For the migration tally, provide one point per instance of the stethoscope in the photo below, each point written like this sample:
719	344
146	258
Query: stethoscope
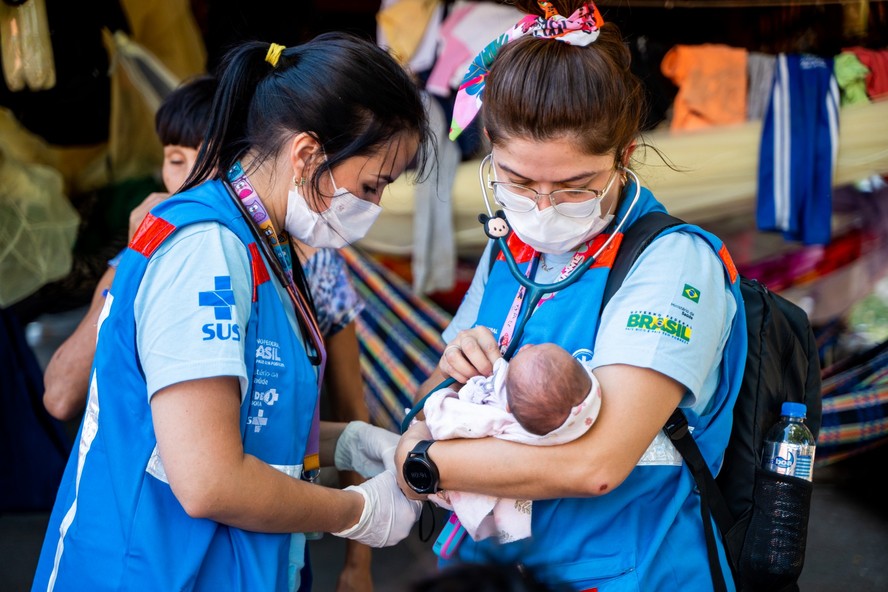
496	227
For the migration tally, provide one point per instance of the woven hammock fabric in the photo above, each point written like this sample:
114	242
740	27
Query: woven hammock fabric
399	335
855	406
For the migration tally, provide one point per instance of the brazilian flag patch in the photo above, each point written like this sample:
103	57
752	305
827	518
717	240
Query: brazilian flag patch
691	293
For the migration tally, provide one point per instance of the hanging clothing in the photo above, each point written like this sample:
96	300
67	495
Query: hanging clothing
712	85
797	159
433	264
851	76
469	28
761	78
877	62
409	30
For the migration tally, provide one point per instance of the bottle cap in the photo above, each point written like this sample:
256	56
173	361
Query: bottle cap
794	409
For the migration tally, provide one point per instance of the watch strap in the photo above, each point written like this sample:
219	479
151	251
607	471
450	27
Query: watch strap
422	448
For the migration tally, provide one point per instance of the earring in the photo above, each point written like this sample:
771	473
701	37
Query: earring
299	183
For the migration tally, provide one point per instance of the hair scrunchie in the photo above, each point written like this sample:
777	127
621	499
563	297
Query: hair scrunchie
580	28
274	54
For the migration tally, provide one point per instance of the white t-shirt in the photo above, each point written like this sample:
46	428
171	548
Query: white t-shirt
193	306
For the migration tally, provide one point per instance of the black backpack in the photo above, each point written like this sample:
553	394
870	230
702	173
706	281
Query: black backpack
762	516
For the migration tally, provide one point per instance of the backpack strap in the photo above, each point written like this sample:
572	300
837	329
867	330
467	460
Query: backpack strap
712	503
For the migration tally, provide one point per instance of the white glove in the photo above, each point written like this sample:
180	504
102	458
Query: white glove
388	516
367	449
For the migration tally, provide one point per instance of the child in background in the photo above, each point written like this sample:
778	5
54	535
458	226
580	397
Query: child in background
544	397
180	124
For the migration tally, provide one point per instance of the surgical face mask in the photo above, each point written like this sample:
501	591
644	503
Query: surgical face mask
346	220
547	231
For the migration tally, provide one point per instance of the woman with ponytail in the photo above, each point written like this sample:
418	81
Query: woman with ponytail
614	509
201	437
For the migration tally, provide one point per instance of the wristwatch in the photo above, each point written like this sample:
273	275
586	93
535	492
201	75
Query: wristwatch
420	472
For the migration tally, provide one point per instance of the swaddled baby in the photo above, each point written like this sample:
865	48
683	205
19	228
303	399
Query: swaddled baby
543	397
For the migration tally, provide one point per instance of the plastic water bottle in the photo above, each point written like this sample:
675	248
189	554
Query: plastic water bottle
790	445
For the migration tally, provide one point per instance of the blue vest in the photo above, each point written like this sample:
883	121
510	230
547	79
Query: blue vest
116	523
646	534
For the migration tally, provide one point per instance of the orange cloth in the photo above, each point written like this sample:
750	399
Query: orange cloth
712	85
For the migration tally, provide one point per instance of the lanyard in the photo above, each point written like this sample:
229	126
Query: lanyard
277	251
537	299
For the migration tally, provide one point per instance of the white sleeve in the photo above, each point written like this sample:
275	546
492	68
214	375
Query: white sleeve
672	314
192	308
467	313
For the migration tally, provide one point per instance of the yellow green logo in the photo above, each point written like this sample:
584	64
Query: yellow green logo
691	293
651	322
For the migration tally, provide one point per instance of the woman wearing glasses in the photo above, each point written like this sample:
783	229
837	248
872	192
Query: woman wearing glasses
613	510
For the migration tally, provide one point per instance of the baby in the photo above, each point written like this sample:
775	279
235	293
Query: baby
543	397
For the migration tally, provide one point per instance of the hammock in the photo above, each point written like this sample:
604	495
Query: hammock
399	335
855	406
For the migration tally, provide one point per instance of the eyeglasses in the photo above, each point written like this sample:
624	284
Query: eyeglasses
567	202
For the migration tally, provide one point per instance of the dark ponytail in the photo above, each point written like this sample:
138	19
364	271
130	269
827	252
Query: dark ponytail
347	92
241	71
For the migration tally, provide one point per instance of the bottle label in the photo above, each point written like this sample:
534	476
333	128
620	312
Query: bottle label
789	459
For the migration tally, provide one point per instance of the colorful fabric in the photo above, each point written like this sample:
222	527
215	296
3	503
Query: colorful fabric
855	406
877	62
799	145
399	335
712	81
851	75
580	28
336	302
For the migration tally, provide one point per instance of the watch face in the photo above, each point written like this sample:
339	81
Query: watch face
419	476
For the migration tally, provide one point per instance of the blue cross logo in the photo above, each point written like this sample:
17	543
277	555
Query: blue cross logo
221	299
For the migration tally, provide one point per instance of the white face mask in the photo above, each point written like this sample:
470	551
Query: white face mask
346	220
547	231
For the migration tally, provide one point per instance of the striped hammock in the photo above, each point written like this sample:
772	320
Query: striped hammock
855	406
399	335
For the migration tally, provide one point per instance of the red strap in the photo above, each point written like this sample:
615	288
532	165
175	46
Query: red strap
260	272
729	263
609	255
524	253
151	234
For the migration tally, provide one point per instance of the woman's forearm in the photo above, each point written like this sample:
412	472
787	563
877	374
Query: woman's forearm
330	432
520	471
66	378
594	464
197	424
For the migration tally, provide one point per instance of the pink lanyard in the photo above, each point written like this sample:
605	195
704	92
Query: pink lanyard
277	247
514	311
